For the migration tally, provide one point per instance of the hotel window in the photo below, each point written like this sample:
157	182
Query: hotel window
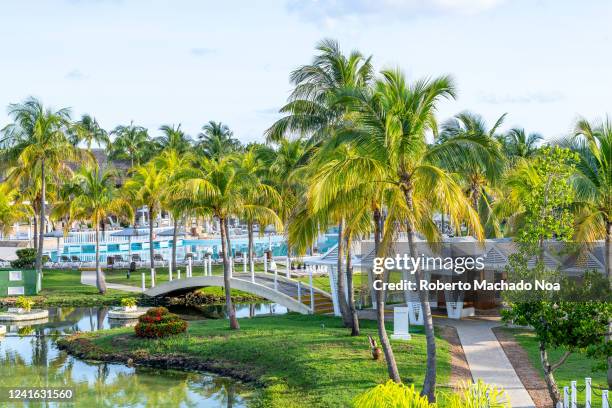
16	290
15	276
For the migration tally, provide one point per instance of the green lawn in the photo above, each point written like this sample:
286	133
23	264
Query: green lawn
576	367
304	361
61	287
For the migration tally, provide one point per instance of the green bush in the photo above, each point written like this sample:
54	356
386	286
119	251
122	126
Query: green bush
392	395
26	258
24	303
129	302
159	322
479	395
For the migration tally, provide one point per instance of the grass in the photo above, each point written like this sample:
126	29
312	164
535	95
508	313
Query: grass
304	361
63	288
576	368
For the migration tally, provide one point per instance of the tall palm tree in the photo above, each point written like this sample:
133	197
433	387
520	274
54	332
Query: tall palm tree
517	143
395	118
480	171
593	185
216	187
131	143
260	195
146	188
171	162
36	142
593	181
216	141
88	130
313	112
94	198
173	138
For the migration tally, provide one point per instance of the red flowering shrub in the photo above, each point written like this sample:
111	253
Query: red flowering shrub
159	322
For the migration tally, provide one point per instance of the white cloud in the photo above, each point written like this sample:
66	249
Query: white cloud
75	74
530	97
326	11
202	52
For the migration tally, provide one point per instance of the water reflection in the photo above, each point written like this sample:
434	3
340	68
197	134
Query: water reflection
29	358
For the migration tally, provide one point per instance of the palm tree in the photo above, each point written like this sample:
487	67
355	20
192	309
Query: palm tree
481	170
217	141
394	119
11	211
88	130
216	187
131	143
173	138
593	181
94	198
517	143
171	162
313	111
260	195
146	188
593	143
36	143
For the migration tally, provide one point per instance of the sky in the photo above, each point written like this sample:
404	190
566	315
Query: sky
544	62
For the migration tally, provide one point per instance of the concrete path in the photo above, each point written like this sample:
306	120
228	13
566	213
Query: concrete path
89	278
487	359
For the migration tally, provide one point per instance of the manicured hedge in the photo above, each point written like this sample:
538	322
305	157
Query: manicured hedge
159	322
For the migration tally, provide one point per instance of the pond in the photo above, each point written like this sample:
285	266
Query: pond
30	358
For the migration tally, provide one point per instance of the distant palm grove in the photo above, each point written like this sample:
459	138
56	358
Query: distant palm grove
355	149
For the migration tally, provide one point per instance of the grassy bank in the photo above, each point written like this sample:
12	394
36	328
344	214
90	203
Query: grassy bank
577	367
299	361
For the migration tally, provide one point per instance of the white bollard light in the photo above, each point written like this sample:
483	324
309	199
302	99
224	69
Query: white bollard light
178	274
574	400
152	277
566	397
244	263
312	301
288	266
189	270
170	271
265	263
144	287
604	399
299	289
587	393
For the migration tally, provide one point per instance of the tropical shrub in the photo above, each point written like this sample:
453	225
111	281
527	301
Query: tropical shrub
26	257
129	302
479	395
159	322
24	303
392	395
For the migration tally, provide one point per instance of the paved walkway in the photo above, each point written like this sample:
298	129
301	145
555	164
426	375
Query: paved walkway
89	278
487	359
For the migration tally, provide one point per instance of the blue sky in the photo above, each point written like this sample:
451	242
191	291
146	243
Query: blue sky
156	62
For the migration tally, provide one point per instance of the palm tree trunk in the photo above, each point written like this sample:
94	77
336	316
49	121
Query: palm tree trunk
250	233
608	254
174	238
341	281
351	292
226	277
151	252
380	307
41	232
429	383
551	384
100	281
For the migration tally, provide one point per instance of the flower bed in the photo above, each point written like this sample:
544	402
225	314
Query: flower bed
159	322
